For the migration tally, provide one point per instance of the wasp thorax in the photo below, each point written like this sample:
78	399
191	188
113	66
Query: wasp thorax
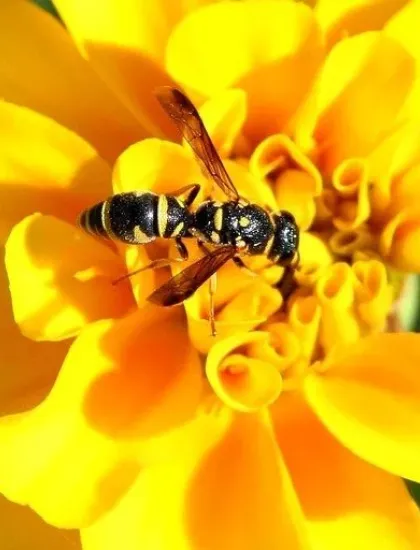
286	238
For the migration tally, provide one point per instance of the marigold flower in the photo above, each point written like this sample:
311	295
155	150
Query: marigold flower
293	427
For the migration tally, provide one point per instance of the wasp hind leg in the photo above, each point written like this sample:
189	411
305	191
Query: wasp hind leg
212	292
159	263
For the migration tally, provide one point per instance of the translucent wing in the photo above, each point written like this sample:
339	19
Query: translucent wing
183	285
187	119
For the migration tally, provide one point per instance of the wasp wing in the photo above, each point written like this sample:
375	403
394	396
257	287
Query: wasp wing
185	116
183	285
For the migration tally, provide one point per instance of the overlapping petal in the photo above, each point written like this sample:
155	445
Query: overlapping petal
45	168
276	74
61	279
48	75
124	42
347	17
119	385
257	507
343	114
368	397
347	502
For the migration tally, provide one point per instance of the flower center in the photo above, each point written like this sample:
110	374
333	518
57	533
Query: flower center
342	288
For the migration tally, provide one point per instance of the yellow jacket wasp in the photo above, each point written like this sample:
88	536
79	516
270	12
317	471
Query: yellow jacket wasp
234	228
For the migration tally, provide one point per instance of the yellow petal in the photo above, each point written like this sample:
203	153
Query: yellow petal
45	168
274	50
374	294
347	502
150	165
400	240
236	496
297	180
335	292
61	278
304	319
253	304
404	29
124	384
343	113
22	529
244	383
347	17
369	398
124	41
224	116
48	75
315	258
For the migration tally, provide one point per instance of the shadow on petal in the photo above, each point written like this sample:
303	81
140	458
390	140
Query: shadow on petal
149	377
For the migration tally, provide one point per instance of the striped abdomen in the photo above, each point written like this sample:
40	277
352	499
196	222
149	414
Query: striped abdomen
137	217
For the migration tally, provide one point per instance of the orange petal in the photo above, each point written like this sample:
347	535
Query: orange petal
237	496
22	529
369	398
400	240
124	384
49	76
45	168
124	41
342	19
60	278
347	502
274	50
244	383
343	113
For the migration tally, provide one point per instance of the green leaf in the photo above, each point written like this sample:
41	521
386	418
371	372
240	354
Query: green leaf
46	5
414	489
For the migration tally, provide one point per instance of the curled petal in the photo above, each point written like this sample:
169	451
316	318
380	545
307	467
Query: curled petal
297	182
335	292
347	243
351	180
314	259
72	178
304	319
370	504
400	240
118	396
275	73
203	498
374	294
368	396
54	80
60	279
357	71
250	307
342	19
243	383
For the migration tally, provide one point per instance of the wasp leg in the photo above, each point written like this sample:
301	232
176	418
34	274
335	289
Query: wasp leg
287	283
182	249
192	191
212	291
156	264
238	262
